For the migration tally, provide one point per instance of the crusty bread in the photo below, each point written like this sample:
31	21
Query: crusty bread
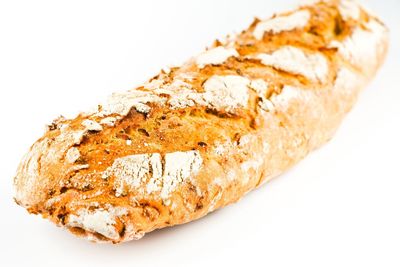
200	136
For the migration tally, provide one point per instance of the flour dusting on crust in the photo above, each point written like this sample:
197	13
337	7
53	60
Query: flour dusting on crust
222	93
72	155
262	89
92	126
226	92
130	171
278	24
99	221
121	103
288	93
26	185
346	81
109	121
349	9
294	60
364	46
134	171
215	56
178	167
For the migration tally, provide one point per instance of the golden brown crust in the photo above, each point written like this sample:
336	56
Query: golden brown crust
200	136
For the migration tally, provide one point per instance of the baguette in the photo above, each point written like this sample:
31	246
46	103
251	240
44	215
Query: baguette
198	137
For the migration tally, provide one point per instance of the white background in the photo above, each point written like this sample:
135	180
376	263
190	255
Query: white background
338	207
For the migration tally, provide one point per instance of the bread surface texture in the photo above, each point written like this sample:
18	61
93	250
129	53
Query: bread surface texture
198	137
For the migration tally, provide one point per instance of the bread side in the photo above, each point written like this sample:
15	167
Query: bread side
200	136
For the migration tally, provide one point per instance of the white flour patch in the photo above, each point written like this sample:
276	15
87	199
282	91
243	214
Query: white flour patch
294	60
79	167
226	92
363	47
215	56
224	148
262	89
147	171
279	24
346	81
214	201
178	167
109	121
251	164
98	221
266	147
121	103
231	175
92	125
130	171
283	99
72	155
245	140
349	9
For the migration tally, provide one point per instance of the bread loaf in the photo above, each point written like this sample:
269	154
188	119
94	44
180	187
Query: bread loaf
200	136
